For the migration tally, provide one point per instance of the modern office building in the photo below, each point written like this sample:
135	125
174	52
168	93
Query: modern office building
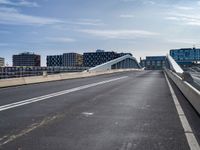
55	60
142	62
26	59
2	62
185	56
153	62
93	59
66	59
72	59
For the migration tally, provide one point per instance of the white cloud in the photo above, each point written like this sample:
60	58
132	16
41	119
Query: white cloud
119	34
4	44
128	0
8	10
172	18
126	16
183	41
149	2
60	39
183	7
142	1
91	22
19	3
13	17
185	15
192	19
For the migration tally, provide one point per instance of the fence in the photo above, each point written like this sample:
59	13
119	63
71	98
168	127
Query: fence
16	72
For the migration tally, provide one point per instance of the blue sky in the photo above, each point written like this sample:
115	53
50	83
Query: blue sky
142	27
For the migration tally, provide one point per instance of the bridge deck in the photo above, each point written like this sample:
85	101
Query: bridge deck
133	112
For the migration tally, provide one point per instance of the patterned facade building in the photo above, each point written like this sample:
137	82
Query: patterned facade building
26	59
153	62
55	60
185	56
72	59
67	60
93	59
2	62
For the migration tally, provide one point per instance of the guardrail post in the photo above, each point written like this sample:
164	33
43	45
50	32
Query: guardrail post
44	73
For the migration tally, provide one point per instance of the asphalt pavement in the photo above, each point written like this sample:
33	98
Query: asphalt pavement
122	111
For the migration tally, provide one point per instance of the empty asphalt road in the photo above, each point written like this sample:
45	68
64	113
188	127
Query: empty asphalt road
121	111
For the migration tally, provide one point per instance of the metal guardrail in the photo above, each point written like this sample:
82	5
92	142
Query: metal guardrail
192	78
187	82
196	80
189	91
173	65
17	72
57	77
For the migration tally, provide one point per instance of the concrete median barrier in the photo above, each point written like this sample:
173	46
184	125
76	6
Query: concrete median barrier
191	93
63	76
11	82
40	79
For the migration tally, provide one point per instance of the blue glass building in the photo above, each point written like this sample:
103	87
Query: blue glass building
153	62
185	56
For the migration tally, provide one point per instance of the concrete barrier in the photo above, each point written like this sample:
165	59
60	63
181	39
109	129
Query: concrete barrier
56	77
11	82
191	93
40	79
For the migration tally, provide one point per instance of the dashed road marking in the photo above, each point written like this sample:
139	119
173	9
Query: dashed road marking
87	114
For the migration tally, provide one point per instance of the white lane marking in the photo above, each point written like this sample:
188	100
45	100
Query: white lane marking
87	114
191	139
36	99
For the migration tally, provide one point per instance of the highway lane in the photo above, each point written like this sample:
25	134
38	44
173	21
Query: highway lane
136	112
15	94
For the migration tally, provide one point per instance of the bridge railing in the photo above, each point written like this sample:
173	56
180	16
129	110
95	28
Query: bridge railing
18	72
185	82
193	79
172	65
108	65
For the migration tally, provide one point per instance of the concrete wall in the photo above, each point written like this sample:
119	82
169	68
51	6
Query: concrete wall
63	76
191	93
